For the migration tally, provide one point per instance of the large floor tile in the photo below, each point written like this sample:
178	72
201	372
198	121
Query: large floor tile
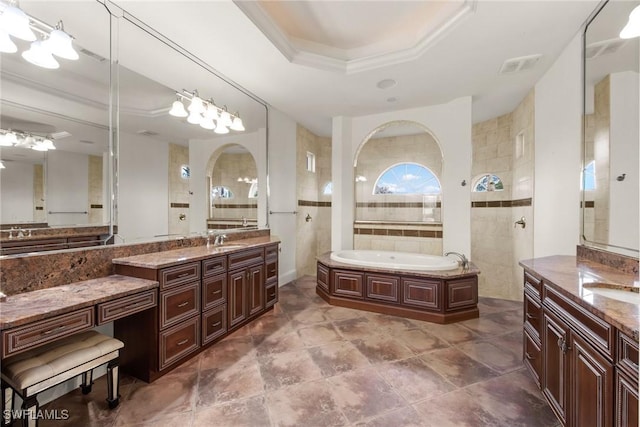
455	409
413	379
457	367
219	385
452	333
322	333
337	358
497	358
250	412
380	349
285	369
420	341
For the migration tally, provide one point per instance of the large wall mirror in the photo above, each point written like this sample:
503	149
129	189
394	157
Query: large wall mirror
128	78
611	131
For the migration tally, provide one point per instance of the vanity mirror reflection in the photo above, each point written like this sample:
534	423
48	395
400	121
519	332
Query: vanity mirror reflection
611	131
156	175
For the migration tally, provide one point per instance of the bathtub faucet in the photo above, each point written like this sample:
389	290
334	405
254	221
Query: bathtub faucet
465	261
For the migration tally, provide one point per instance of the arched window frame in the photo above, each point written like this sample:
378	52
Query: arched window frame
430	175
482	184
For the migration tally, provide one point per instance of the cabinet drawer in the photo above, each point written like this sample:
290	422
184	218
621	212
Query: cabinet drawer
596	331
179	341
214	266
532	357
322	277
245	258
271	251
214	291
214	324
421	293
348	283
113	310
533	284
174	276
383	288
272	268
532	317
461	294
628	355
33	335
271	296
179	304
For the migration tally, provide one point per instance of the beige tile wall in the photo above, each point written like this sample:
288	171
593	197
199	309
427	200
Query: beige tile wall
602	107
95	190
178	189
39	215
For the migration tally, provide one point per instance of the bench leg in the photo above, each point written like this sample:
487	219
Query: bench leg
87	382
30	409
113	383
7	404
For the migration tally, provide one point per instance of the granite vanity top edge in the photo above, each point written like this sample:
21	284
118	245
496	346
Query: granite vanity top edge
438	274
163	259
28	307
564	273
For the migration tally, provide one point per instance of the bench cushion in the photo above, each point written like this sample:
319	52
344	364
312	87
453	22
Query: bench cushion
33	366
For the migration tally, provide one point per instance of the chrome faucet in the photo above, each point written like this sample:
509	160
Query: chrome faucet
463	259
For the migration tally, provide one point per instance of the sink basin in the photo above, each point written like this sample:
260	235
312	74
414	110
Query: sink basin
230	247
621	293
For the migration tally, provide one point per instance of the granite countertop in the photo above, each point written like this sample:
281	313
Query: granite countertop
438	274
45	303
158	260
570	275
53	233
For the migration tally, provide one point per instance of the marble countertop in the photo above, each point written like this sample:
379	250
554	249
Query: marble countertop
158	260
45	303
572	277
438	274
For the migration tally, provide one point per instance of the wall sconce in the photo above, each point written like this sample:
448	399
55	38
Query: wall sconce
205	113
14	22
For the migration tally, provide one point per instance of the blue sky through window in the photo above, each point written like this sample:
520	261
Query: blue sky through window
590	176
407	178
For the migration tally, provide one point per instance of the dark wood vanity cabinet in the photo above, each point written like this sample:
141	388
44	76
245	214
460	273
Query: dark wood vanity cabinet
570	353
199	303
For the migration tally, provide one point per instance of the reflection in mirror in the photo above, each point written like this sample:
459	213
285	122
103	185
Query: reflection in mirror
64	110
397	189
233	188
163	158
611	133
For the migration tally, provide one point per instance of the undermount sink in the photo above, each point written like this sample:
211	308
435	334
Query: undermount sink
229	247
621	293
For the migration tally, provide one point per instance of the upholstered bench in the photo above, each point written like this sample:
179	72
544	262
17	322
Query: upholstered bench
33	371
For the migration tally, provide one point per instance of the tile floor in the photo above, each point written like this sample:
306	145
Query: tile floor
310	364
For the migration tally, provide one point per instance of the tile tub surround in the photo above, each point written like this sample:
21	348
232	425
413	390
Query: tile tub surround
45	303
468	374
25	273
566	274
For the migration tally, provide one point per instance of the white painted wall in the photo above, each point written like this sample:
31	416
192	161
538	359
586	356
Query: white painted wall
143	188
558	136
200	152
450	124
67	187
624	158
16	186
282	189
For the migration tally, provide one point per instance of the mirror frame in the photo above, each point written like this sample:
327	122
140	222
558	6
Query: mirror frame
583	239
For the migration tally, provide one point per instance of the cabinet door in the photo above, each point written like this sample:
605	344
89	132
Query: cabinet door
422	293
382	287
555	372
256	289
626	401
348	283
237	297
591	385
532	357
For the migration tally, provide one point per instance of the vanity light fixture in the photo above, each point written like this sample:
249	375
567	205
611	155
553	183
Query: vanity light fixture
15	138
2	166
16	23
205	113
632	29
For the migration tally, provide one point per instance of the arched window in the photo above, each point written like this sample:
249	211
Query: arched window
328	189
590	176
488	182
221	192
407	178
253	190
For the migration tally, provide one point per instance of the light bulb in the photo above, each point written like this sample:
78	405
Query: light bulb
632	29
194	118
211	112
39	55
6	44
59	44
16	23
9	139
237	124
177	109
48	144
225	117
196	105
207	124
39	146
221	129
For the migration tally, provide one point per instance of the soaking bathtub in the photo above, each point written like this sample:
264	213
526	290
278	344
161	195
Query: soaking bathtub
424	287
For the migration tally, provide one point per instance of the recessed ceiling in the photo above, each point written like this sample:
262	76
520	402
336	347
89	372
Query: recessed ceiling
350	36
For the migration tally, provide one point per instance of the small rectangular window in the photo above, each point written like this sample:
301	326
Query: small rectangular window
311	162
520	145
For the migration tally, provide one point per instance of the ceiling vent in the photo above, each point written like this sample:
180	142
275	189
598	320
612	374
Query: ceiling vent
604	47
60	135
147	132
522	63
92	54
